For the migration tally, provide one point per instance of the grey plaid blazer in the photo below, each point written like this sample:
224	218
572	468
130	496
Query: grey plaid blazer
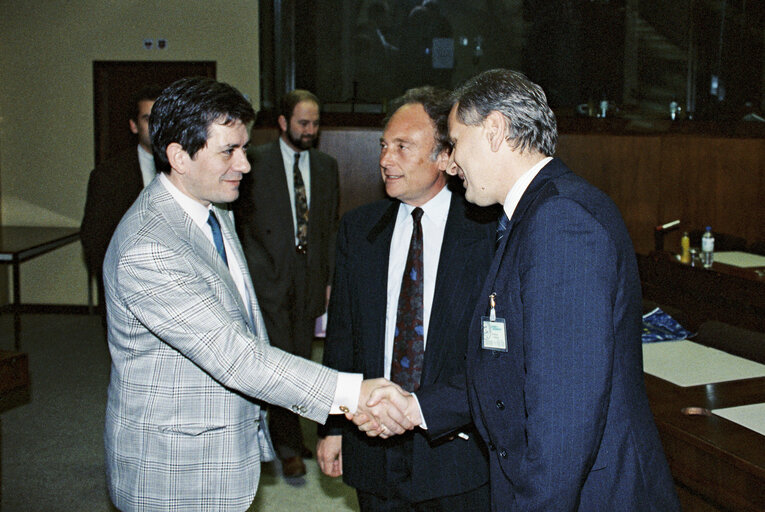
183	431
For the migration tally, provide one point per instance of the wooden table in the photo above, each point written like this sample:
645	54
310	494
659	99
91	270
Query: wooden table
22	243
716	463
726	293
14	385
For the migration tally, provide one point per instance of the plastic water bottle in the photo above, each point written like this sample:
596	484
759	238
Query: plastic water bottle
707	248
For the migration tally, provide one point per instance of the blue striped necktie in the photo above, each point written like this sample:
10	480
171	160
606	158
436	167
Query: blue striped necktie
212	220
504	224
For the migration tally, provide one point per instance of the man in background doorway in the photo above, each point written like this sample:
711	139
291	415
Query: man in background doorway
115	183
286	218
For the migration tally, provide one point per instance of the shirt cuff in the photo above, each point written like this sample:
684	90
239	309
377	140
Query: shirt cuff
347	393
423	425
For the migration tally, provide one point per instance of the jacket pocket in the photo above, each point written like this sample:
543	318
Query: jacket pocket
190	430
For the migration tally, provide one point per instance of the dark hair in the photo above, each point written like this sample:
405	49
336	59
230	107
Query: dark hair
146	93
291	99
436	103
185	110
530	121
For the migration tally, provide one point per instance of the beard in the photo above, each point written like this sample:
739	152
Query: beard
301	142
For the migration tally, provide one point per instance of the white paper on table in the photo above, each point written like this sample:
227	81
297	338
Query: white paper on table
751	416
740	259
685	363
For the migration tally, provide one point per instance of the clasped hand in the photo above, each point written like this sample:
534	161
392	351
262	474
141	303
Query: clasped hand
385	409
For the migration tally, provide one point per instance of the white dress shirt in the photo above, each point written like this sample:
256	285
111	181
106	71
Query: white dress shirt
146	162
433	223
304	164
519	188
199	215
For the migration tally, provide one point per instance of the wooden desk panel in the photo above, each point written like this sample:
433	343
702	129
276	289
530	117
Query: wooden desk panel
14	380
729	294
717	464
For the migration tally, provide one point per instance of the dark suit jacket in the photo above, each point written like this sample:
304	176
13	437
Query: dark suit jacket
564	411
112	188
265	226
356	342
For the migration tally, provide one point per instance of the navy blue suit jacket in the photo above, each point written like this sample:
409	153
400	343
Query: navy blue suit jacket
564	410
356	342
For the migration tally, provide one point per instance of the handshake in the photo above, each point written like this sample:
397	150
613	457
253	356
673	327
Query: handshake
385	409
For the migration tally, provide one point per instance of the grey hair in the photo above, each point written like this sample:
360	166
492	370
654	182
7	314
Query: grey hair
435	102
530	121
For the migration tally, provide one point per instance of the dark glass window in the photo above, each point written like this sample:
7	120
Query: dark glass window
628	58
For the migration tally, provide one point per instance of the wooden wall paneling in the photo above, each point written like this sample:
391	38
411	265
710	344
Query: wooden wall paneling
357	151
653	179
260	136
739	193
625	168
673	174
716	182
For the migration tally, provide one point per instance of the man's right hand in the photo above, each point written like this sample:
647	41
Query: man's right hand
330	455
385	415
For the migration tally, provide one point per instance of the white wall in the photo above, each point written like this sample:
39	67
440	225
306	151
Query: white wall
47	49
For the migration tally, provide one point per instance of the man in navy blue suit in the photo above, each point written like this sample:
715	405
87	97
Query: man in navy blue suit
554	363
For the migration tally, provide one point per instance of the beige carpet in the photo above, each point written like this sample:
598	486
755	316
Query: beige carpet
52	448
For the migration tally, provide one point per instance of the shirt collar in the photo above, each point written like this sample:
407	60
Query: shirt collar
517	190
198	212
436	209
288	153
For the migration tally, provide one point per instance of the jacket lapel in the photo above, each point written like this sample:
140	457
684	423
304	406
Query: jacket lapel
455	254
275	182
553	169
376	272
191	239
255	322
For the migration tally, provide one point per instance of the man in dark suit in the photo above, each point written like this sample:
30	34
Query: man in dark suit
115	183
409	472
554	365
287	221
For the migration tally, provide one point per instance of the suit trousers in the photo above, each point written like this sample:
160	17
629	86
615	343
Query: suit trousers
290	328
402	498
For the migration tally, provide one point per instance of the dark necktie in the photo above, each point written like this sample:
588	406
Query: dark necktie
409	339
212	220
301	205
504	223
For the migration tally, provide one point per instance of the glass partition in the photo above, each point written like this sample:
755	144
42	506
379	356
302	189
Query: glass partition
634	59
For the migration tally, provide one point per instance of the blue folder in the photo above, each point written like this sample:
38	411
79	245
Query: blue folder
659	326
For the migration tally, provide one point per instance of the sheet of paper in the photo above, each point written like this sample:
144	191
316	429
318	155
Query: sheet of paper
685	363
740	259
750	416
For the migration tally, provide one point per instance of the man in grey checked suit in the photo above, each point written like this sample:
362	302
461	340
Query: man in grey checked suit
189	349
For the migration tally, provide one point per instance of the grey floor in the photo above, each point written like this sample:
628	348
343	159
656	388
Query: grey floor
52	448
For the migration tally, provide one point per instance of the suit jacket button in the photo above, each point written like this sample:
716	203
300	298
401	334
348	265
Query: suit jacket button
503	454
492	446
500	405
